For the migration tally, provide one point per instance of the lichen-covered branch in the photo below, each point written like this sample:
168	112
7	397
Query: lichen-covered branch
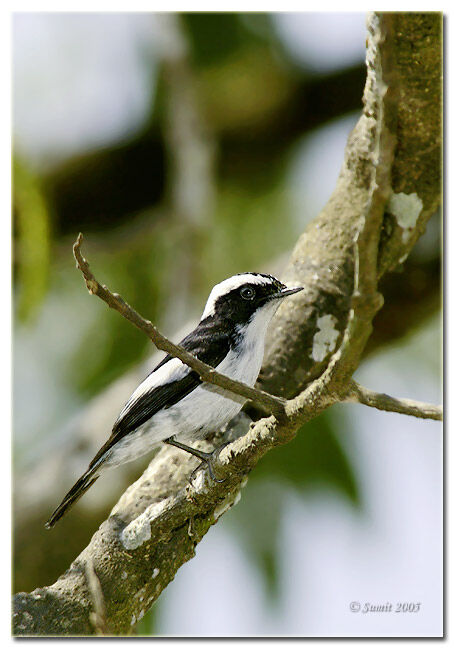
322	258
360	394
315	347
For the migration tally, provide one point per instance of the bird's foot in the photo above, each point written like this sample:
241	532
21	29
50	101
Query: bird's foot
208	461
206	458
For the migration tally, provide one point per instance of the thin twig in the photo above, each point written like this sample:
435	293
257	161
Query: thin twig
360	394
272	404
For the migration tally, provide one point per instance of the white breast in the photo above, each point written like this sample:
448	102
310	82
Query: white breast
208	407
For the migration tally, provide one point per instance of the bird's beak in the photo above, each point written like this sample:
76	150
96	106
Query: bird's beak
287	292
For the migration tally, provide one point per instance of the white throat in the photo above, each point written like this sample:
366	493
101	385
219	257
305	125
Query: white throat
251	346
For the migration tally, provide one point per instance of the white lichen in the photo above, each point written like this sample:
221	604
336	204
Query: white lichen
201	482
139	530
325	339
406	208
133	620
140	594
155	572
227	502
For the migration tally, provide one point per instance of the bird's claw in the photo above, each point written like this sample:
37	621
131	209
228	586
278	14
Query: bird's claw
202	464
208	461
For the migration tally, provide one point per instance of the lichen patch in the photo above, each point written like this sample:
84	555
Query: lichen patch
324	341
139	530
228	502
406	208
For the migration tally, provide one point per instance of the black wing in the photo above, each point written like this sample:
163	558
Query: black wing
136	412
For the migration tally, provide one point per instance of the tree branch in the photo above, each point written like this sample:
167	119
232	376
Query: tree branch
322	258
271	404
360	394
157	523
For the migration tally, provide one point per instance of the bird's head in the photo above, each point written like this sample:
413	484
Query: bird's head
247	297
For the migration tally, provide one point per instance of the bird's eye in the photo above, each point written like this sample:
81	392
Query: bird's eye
247	292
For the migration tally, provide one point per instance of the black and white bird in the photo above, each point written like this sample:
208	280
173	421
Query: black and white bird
172	404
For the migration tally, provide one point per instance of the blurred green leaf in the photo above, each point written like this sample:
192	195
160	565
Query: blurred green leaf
32	241
242	94
214	36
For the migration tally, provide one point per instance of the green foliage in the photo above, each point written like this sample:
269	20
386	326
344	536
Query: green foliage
215	36
32	252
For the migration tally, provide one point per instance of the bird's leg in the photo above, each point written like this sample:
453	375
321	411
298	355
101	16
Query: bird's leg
205	457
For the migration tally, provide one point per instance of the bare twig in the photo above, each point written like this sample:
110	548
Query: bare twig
271	404
360	394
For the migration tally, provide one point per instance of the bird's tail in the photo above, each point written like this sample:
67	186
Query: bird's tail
79	488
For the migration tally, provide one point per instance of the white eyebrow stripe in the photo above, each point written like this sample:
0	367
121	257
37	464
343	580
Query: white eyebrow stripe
230	284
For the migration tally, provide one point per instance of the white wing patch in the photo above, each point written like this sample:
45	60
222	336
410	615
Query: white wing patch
169	372
230	284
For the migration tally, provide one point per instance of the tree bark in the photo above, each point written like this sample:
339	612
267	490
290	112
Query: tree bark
388	188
